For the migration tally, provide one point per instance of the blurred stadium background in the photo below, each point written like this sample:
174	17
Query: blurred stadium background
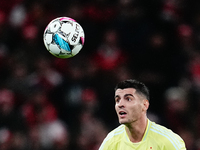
48	103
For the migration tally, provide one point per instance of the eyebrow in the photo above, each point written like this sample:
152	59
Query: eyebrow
124	95
128	95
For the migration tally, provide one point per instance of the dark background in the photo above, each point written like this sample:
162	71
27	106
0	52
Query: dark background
47	103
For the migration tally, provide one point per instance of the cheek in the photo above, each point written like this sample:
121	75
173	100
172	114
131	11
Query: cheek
136	109
116	107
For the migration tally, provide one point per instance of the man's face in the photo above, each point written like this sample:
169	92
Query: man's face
129	105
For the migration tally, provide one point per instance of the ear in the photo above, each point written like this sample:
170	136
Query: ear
145	104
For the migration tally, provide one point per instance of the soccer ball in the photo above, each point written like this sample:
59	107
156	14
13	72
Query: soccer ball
64	37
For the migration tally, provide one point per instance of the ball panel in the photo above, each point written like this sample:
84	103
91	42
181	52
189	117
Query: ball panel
54	26
47	47
82	40
53	48
66	19
48	38
76	49
67	28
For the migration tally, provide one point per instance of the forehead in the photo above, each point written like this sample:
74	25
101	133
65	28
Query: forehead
121	92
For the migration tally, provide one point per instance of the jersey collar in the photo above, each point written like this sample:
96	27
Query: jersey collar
145	134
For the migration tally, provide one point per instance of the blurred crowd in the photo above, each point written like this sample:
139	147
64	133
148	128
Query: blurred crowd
47	103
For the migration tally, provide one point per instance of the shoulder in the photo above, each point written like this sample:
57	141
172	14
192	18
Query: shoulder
113	137
117	132
166	136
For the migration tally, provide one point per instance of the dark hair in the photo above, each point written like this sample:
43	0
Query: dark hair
139	86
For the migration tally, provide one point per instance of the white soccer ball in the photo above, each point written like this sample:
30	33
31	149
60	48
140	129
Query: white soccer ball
64	37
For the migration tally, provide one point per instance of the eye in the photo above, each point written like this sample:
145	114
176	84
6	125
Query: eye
117	100
129	99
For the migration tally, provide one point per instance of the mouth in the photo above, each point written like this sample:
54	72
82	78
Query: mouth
122	113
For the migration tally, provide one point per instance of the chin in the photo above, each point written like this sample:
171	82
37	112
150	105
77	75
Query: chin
123	122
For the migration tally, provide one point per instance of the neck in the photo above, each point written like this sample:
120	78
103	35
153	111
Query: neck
136	130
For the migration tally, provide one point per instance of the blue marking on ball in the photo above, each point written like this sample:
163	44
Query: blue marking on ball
62	43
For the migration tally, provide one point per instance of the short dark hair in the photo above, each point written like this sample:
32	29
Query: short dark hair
131	83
